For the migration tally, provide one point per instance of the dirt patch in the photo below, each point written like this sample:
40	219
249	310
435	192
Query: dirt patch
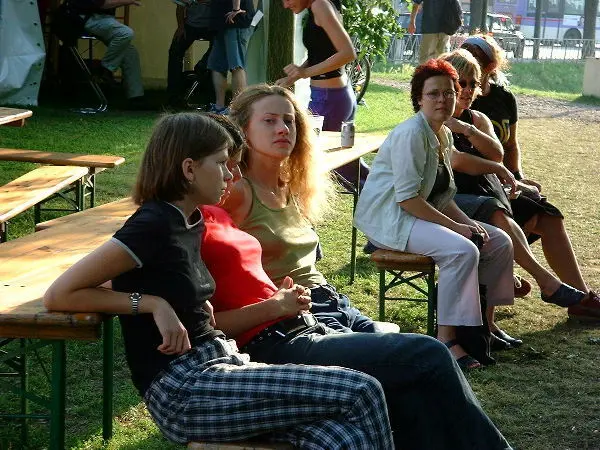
533	107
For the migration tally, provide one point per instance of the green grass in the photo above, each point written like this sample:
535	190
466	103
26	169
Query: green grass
559	80
545	395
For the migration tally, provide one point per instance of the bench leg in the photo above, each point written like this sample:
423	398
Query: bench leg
107	377
57	408
355	194
3	231
24	388
431	302
382	295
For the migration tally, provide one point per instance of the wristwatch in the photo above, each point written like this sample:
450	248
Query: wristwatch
135	298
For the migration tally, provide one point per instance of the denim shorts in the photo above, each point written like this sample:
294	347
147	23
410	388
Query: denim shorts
229	49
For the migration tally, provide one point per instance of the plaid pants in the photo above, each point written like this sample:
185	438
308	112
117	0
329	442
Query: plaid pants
214	393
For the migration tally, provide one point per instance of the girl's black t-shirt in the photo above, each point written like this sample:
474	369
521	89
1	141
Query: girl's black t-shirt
318	46
167	250
500	106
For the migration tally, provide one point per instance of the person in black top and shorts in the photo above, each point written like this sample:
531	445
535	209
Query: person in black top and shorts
195	383
528	210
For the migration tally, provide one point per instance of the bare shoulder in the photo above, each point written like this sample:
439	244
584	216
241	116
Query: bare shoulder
239	201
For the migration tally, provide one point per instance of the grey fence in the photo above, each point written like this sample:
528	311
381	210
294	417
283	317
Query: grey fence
406	49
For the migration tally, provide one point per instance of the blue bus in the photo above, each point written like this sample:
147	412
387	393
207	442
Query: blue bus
561	19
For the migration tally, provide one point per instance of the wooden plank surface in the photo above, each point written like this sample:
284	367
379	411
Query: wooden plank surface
14	117
29	265
61	159
34	187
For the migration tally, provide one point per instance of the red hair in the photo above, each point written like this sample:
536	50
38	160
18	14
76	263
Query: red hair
431	68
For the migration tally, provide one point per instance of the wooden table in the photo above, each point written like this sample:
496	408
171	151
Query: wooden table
29	265
14	117
336	156
94	163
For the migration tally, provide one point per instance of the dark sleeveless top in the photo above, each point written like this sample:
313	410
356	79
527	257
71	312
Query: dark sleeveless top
488	185
441	183
318	46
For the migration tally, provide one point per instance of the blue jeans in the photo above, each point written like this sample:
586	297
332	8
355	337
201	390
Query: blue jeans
333	309
338	105
119	50
229	49
430	403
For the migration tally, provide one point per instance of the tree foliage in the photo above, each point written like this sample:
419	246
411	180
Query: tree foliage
372	22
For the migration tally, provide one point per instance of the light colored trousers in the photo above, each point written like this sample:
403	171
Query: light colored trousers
433	45
119	51
462	267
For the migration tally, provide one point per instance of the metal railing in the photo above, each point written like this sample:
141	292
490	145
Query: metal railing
405	49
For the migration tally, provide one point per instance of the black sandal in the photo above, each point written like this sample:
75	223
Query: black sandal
465	362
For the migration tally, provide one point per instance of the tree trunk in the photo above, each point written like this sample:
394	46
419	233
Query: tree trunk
280	46
589	28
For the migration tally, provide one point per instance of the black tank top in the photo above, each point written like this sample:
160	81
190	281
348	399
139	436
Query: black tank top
488	184
319	46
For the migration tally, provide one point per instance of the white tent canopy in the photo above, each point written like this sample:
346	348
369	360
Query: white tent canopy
22	52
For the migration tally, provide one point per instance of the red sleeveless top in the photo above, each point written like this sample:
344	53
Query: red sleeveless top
233	258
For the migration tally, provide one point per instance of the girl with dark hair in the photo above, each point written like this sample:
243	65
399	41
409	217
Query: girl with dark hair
407	204
195	383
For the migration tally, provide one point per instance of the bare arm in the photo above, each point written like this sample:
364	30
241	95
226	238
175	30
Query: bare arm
474	165
77	290
411	21
327	18
289	300
481	135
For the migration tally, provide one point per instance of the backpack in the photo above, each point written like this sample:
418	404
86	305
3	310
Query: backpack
451	17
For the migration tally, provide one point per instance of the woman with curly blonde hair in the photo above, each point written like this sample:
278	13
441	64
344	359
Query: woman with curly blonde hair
282	194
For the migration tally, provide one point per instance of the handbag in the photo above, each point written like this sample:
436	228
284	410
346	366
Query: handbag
68	24
476	341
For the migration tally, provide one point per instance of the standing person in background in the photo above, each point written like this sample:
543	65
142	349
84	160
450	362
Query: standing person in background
329	49
232	25
117	37
193	23
441	19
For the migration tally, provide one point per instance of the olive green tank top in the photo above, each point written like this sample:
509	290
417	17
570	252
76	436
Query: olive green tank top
289	244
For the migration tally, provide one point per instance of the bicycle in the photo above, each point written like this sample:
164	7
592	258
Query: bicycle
359	72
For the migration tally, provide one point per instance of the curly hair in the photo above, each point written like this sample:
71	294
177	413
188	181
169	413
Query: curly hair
431	68
175	138
302	171
465	64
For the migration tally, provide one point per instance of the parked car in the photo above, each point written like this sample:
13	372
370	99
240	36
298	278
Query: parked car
504	31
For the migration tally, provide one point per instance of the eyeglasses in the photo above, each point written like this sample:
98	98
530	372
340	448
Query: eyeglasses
472	84
434	95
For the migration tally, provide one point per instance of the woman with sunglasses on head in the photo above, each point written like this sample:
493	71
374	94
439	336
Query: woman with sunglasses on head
195	383
531	211
407	204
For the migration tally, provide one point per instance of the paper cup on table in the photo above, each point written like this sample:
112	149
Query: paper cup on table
317	123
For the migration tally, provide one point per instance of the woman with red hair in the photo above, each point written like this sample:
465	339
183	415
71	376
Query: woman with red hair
407	204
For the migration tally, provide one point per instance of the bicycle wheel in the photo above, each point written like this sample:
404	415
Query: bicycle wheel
359	74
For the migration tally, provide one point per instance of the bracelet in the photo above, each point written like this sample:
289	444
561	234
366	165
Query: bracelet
236	10
135	298
518	175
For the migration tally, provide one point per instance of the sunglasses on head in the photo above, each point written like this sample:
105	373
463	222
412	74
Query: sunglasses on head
472	84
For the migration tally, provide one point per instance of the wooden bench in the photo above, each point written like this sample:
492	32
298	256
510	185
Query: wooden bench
396	264
14	117
94	163
36	187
